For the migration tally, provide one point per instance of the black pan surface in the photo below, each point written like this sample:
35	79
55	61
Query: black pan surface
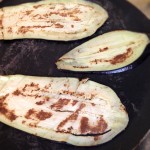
38	57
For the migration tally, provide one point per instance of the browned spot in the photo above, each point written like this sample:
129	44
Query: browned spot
77	19
45	90
58	25
117	59
58	13
28	12
74	102
24	88
31	95
85	128
92	96
47	86
46	98
103	49
60	104
23	122
9	114
65	85
3	98
72	117
31	85
1	23
96	61
93	104
16	92
37	6
33	125
46	15
43	115
19	92
96	138
65	12
9	30
24	29
68	92
70	128
40	102
30	113
122	57
80	94
40	26
81	67
122	108
72	26
37	16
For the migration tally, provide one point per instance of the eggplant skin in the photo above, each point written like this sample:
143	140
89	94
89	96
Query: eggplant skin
112	50
81	113
61	20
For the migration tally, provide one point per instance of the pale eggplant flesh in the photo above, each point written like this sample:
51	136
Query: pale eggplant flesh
107	52
81	113
61	20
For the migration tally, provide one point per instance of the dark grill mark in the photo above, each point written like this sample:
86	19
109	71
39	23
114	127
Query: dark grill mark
24	29
122	57
96	138
37	6
28	90
40	102
28	12
100	127
9	30
1	24
93	104
58	25
41	115
103	49
117	59
9	114
74	102
122	108
60	104
72	117
30	113
16	92
33	125
23	122
81	67
77	19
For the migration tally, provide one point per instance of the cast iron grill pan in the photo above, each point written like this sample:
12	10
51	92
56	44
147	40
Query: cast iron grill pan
38	57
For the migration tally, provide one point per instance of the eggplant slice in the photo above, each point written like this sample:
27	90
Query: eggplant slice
60	20
82	113
110	51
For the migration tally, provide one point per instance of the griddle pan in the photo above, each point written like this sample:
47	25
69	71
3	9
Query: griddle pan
38	57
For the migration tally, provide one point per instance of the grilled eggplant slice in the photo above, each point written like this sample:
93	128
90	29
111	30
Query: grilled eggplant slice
52	20
82	113
109	51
